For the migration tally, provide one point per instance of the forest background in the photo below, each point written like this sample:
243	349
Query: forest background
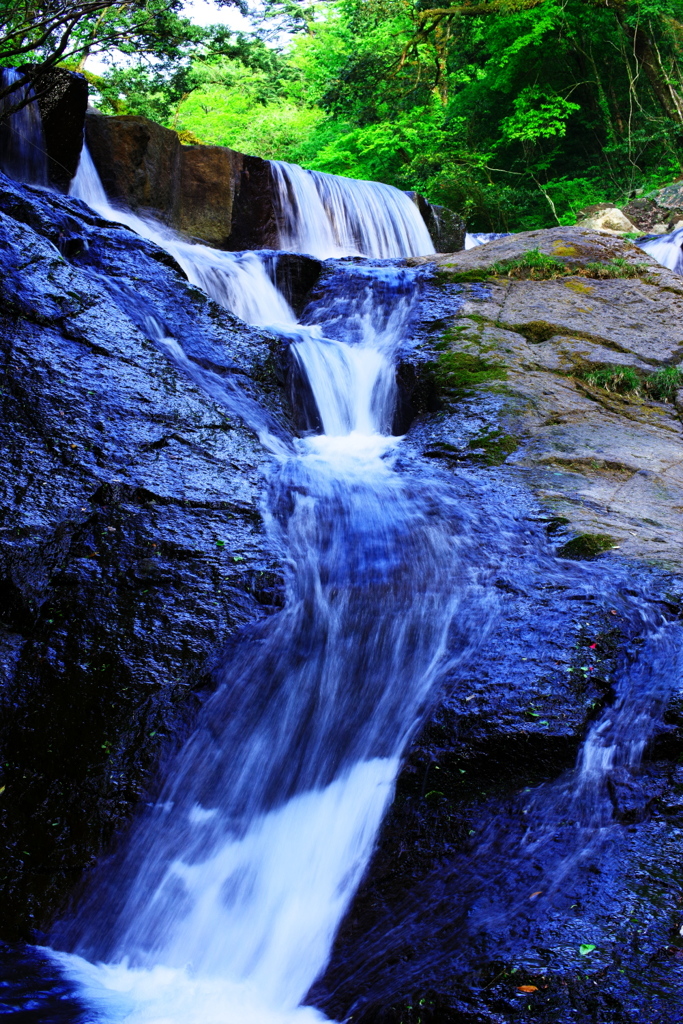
514	113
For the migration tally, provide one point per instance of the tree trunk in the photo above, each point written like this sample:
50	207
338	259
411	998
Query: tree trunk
647	54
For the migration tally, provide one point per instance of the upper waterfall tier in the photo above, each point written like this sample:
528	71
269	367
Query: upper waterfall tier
237	202
326	215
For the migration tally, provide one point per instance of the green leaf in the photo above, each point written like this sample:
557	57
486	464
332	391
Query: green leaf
585	948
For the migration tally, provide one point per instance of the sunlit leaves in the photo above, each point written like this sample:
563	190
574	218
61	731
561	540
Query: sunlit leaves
538	115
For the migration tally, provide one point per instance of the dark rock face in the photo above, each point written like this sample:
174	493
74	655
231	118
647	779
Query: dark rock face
131	546
63	100
211	193
662	207
446	228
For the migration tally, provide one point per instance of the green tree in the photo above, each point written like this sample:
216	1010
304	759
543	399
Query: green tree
37	35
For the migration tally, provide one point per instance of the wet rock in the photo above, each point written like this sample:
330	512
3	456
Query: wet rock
446	228
131	546
453	921
657	212
607	462
62	99
210	193
295	275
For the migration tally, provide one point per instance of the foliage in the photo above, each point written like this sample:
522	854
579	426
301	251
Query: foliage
513	113
36	35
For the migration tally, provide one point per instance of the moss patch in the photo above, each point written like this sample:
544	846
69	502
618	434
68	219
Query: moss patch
457	373
493	447
536	331
579	287
586	545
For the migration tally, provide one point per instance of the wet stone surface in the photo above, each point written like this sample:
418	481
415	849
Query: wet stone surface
131	546
132	554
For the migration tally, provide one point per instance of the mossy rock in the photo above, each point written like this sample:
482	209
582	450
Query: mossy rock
586	545
537	266
493	447
459	372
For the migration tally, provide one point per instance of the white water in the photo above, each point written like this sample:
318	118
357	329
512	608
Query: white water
326	216
667	250
224	902
472	240
22	144
238	281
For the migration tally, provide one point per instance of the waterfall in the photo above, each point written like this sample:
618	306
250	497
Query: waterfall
22	144
326	215
666	249
238	281
222	903
225	899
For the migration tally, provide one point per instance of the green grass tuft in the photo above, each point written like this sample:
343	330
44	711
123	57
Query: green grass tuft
661	386
619	267
532	265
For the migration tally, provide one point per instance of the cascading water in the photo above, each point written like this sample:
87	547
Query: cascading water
667	250
326	215
230	890
223	904
238	281
477	238
22	144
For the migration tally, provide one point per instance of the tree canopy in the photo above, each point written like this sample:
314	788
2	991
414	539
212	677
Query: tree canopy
514	112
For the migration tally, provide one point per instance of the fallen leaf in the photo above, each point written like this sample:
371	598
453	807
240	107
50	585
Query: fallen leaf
527	988
585	948
535	894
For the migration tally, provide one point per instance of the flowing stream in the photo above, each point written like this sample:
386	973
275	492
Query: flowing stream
224	902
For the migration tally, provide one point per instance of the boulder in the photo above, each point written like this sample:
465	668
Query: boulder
210	193
606	461
604	217
62	98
